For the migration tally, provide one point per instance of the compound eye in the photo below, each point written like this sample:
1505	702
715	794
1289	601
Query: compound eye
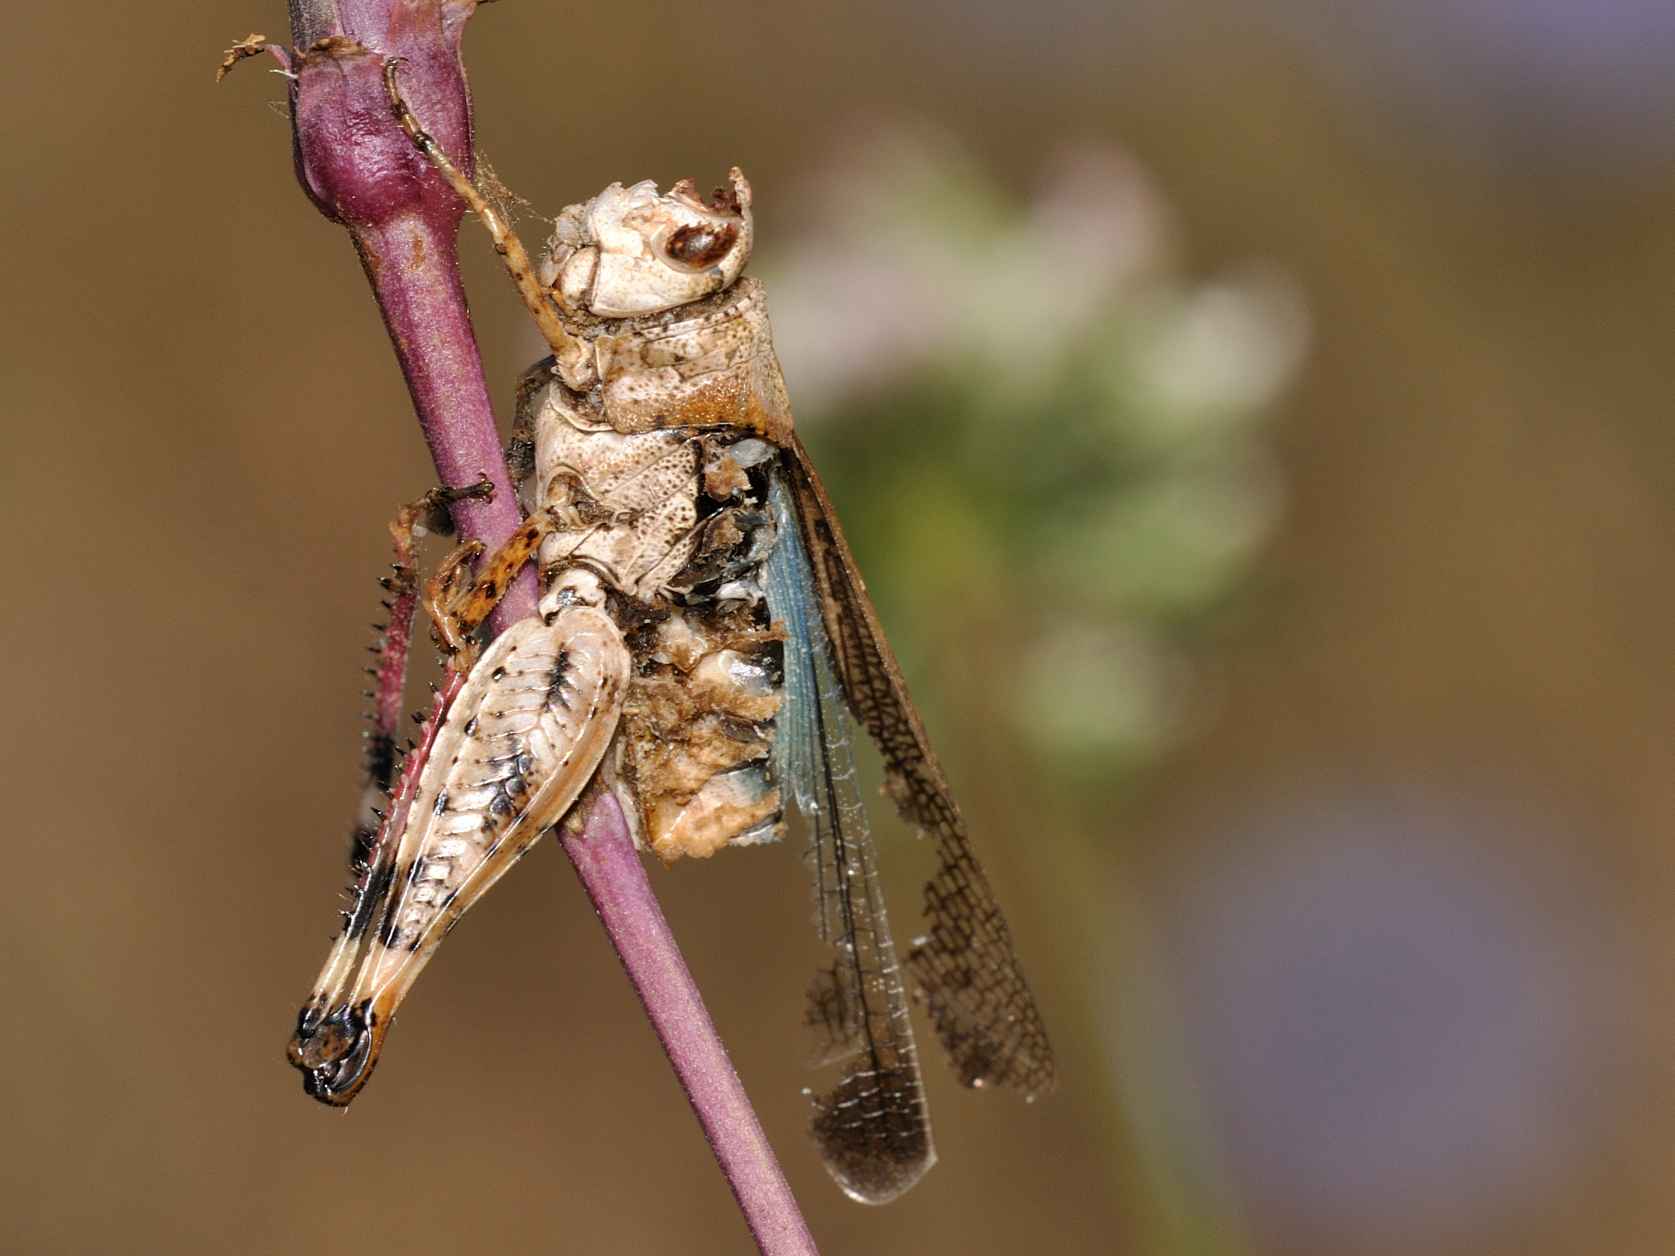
701	244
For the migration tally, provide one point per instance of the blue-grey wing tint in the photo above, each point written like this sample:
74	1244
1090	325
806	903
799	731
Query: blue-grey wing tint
964	969
872	1126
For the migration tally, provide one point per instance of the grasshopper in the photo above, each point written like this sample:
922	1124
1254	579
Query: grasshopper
704	642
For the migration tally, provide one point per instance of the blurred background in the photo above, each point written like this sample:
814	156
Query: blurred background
1254	429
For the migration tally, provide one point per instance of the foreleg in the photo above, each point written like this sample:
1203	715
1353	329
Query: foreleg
536	296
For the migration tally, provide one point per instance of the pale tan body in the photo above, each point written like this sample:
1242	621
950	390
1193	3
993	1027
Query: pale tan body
690	764
633	478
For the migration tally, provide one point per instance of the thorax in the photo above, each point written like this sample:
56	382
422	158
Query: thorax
636	466
657	480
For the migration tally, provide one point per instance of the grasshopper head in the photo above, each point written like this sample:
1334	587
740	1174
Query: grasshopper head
634	251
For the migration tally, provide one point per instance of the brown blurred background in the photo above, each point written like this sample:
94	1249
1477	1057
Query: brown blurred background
1354	936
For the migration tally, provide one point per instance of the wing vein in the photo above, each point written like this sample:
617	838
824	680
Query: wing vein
872	1127
965	969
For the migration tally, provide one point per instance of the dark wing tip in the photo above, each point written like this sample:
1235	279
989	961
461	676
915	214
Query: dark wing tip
876	1147
988	1023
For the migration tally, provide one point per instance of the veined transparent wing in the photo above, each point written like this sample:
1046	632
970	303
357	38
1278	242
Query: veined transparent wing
964	968
872	1127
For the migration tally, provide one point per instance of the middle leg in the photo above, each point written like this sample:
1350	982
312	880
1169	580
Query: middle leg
458	607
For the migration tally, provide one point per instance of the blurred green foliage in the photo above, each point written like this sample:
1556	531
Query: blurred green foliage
1044	439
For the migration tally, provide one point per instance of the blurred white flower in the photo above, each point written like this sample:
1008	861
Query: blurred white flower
904	258
1071	424
1226	349
1095	693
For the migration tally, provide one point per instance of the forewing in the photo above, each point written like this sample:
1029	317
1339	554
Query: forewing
872	1128
965	968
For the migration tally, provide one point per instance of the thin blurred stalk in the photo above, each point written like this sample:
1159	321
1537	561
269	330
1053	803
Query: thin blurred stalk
362	172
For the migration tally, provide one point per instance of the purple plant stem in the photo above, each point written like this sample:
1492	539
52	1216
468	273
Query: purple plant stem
604	856
425	312
360	170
